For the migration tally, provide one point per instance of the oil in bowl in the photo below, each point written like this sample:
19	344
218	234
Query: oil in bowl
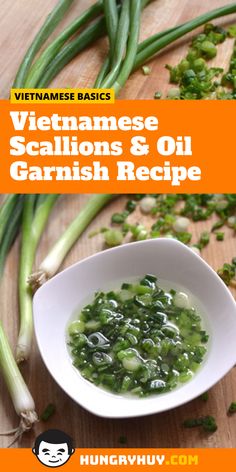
142	339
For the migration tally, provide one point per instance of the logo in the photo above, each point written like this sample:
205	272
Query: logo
53	448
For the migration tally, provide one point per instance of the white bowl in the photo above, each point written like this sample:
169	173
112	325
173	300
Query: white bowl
168	259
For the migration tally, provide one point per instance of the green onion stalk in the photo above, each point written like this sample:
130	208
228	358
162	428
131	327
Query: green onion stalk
57	254
44	60
21	397
35	216
10	222
56	57
132	46
46	30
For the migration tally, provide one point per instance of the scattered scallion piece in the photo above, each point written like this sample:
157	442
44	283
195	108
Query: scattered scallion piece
204	397
147	204
139	232
131	206
208	423
219	224
232	31
43	61
119	218
48	412
10	223
232	408
181	224
158	95
232	222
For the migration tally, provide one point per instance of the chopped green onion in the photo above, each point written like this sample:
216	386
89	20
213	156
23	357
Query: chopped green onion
227	272
157	95
146	70
48	412
204	240
181	224
147	204
220	236
208	423
232	31
119	218
113	237
218	225
173	94
204	397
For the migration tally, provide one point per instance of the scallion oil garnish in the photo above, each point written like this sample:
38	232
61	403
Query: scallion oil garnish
208	423
139	339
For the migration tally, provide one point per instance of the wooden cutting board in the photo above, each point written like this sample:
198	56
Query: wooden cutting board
18	24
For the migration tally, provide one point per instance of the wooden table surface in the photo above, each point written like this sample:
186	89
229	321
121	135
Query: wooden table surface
18	23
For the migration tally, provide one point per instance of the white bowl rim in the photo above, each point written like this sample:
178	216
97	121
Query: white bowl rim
117	414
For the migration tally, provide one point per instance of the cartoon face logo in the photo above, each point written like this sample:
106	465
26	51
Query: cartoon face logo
53	448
